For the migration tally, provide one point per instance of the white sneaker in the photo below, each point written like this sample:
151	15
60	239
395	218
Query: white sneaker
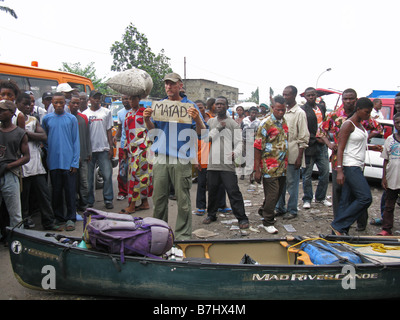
271	229
325	202
306	205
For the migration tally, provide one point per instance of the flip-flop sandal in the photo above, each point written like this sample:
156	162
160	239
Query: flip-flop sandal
123	211
200	212
225	210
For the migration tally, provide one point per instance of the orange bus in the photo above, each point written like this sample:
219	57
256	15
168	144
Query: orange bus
40	80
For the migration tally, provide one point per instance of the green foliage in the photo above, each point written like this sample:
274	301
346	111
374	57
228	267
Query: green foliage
8	10
89	72
255	97
134	51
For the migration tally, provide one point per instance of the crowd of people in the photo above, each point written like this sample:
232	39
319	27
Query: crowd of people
53	171
49	156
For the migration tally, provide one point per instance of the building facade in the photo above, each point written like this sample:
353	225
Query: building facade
200	89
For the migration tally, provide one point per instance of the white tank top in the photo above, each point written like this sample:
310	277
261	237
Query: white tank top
354	152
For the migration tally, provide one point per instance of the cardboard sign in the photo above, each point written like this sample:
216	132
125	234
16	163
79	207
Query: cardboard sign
171	111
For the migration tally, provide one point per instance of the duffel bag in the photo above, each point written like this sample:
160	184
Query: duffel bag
128	236
322	252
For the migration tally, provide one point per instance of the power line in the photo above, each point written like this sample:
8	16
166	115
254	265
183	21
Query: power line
55	42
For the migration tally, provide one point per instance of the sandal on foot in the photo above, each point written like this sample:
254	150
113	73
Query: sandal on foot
200	212
123	211
384	233
70	226
225	210
335	232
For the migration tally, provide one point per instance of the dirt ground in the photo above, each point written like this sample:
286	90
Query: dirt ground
311	222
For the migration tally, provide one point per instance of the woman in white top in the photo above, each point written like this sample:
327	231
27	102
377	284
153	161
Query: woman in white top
356	194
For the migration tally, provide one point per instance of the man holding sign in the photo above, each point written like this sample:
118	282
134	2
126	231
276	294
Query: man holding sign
178	126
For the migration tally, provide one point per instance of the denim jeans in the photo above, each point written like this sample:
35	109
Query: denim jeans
83	184
10	193
354	201
336	194
292	187
322	161
106	171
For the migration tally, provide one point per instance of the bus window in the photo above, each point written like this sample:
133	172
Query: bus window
40	86
80	87
22	82
88	90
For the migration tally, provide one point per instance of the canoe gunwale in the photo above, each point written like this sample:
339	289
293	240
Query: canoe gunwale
47	239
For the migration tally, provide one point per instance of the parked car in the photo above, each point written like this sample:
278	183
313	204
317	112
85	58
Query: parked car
373	161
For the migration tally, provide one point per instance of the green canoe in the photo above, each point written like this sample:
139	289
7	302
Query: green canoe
221	269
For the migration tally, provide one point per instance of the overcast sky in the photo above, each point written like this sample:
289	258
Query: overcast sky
244	44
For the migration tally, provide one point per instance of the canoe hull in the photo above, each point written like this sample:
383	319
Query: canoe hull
42	263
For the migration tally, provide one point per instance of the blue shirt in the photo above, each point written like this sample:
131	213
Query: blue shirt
121	118
177	139
62	140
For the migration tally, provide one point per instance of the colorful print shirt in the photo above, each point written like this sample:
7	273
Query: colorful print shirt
332	124
272	141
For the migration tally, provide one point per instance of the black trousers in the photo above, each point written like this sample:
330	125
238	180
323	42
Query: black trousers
201	199
63	183
39	187
227	179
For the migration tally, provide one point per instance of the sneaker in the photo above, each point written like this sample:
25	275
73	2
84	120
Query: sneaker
121	197
29	224
325	202
208	220
288	216
109	205
306	205
271	229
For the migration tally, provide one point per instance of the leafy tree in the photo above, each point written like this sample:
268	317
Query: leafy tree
134	51
255	97
89	72
8	10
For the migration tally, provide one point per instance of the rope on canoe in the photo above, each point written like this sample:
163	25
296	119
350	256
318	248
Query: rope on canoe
378	247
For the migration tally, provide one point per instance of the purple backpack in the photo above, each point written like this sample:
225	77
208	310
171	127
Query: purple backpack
124	234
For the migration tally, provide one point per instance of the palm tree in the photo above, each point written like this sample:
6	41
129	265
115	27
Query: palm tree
8	10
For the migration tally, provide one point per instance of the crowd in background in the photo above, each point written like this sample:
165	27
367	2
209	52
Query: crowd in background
67	140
